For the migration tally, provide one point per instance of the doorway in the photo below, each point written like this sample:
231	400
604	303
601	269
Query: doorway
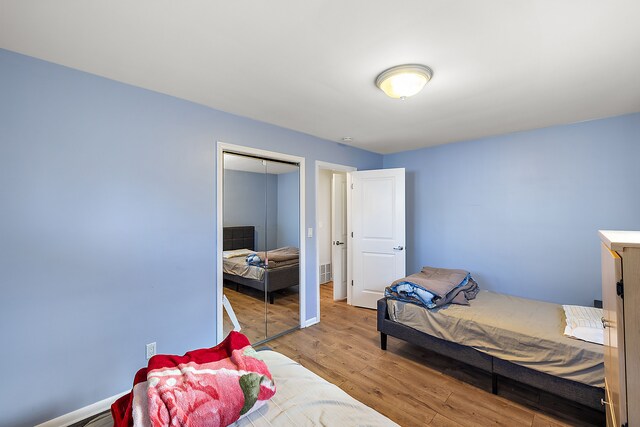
260	286
331	219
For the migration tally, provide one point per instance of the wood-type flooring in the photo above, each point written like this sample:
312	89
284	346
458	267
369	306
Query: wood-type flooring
259	319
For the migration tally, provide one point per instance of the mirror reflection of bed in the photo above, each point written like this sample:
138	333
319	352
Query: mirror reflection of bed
261	263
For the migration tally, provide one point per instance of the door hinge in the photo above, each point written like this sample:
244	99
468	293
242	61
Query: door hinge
620	289
352	186
352	234
352	283
625	425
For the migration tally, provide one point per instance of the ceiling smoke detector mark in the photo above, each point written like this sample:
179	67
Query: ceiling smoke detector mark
347	139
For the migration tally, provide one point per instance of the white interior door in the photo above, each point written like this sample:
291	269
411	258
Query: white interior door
339	235
378	226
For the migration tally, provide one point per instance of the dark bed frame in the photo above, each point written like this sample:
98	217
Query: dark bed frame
571	390
274	279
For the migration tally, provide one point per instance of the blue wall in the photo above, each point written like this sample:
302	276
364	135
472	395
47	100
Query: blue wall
108	229
288	207
245	194
521	211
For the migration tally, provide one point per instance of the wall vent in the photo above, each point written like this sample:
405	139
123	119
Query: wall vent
325	273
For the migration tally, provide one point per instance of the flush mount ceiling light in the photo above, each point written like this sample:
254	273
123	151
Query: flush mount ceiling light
403	81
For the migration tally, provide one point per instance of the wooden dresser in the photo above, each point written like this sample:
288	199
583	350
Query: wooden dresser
621	321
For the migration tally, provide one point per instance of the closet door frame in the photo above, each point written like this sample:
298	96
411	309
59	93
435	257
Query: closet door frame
239	149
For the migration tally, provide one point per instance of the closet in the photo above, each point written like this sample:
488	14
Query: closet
621	322
261	240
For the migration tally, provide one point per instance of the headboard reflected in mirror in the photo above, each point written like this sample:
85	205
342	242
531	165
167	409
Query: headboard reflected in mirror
240	237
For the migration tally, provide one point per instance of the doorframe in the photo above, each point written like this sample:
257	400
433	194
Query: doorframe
240	149
320	165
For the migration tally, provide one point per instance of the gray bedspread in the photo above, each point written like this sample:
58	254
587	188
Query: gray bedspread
519	330
238	266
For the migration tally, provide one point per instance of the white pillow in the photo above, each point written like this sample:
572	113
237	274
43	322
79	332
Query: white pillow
584	323
236	253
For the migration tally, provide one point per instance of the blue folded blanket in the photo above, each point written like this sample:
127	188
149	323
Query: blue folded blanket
254	259
410	292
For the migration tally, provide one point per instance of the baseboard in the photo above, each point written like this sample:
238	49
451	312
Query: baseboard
310	322
82	413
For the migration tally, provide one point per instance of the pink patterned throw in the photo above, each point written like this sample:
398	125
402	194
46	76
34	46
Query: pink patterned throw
207	387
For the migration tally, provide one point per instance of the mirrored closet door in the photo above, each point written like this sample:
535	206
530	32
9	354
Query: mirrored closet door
261	263
283	307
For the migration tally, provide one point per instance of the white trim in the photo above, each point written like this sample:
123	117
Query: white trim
83	413
218	259
222	147
310	322
341	168
350	239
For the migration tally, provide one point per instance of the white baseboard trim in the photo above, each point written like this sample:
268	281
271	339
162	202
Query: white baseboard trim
310	322
82	413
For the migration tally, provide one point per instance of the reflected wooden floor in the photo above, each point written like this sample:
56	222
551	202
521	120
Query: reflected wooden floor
258	320
411	385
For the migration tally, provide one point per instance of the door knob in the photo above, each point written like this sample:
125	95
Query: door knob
604	322
398	248
339	243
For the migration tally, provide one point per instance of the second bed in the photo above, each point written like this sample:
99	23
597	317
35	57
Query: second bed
512	337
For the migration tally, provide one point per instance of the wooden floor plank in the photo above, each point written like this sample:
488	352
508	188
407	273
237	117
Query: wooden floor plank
483	409
441	421
385	402
542	421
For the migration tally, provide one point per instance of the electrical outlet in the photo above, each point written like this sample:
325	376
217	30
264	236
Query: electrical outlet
151	350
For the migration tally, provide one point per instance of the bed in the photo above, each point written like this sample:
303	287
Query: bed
276	277
302	399
509	337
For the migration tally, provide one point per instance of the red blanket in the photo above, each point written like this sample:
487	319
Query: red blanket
206	387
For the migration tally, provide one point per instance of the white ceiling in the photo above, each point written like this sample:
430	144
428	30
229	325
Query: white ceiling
499	65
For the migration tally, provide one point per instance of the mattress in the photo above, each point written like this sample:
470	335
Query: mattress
522	331
238	267
302	399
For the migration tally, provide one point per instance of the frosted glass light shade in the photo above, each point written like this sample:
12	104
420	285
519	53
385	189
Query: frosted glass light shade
404	81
